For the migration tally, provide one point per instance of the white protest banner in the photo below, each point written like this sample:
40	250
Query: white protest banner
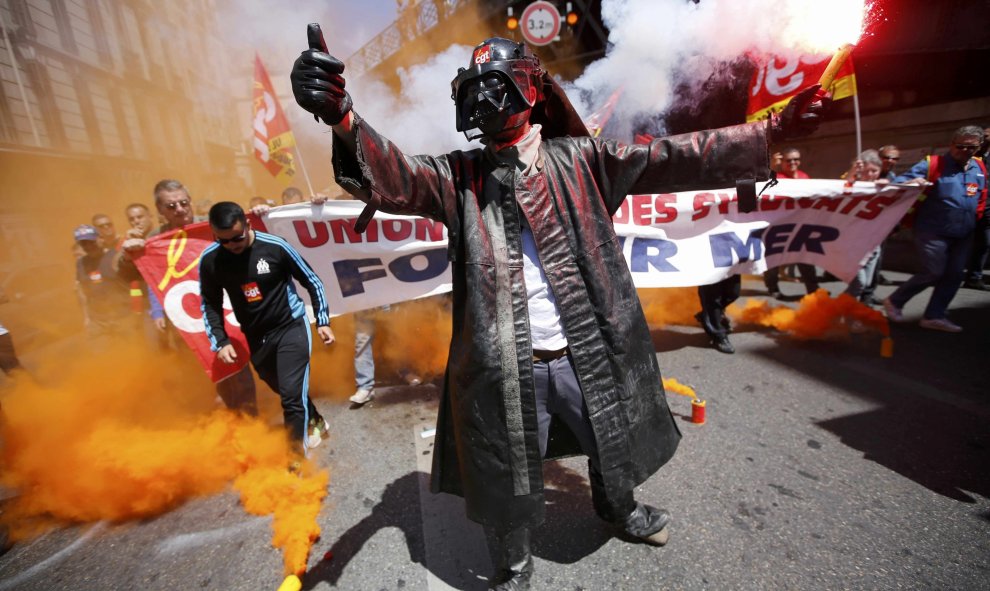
700	237
669	240
398	258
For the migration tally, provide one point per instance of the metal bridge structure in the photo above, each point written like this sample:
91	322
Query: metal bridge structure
444	22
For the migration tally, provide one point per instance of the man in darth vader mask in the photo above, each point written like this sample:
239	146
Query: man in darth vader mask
551	354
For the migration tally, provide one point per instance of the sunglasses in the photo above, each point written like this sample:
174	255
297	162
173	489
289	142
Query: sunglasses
967	147
235	239
183	203
892	158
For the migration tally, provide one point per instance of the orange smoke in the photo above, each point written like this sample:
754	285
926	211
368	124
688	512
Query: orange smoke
672	305
817	316
672	385
413	336
132	433
272	490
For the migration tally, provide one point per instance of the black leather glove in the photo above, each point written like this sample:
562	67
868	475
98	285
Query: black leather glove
800	116
317	82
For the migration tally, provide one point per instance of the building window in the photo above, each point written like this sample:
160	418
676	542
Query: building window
64	22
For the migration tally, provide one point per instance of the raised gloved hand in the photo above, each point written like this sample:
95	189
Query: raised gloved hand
800	116
317	82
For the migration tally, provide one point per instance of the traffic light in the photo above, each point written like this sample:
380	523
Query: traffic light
513	22
572	16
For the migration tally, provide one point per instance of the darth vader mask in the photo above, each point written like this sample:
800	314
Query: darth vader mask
498	90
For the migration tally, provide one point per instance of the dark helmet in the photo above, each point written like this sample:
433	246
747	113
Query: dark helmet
498	89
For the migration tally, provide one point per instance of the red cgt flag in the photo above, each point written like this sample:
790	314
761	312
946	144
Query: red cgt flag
272	137
778	79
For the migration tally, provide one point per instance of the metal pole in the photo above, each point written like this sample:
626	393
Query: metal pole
859	128
20	84
302	166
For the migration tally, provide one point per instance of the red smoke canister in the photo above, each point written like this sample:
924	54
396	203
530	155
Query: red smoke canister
698	412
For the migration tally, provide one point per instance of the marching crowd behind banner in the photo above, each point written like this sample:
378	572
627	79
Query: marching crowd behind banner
669	240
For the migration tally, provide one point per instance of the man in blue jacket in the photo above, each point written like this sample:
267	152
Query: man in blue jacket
943	227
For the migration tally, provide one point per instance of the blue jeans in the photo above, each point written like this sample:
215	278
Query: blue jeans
364	359
858	286
942	261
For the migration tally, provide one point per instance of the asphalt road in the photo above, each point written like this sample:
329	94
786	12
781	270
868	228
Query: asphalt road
822	466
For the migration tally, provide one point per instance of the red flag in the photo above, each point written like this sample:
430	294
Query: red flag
170	265
778	79
272	137
597	120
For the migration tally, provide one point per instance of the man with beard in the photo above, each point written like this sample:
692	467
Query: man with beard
551	354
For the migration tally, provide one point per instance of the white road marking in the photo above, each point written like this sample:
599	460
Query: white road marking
455	549
47	563
196	539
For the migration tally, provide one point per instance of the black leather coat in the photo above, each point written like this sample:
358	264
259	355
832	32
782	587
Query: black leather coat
486	443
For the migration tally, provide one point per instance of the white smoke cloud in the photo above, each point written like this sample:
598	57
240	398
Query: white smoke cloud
656	48
656	45
420	120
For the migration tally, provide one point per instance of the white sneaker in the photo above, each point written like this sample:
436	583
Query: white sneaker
413	379
318	431
894	313
362	396
943	324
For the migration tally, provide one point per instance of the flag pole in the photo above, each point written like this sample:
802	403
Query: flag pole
859	128
302	166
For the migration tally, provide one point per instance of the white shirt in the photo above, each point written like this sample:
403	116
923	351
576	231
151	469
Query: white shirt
546	331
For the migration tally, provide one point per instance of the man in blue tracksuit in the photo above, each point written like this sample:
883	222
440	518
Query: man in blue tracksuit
256	269
943	227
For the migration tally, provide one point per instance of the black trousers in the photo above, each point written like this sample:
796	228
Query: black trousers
981	246
809	277
281	359
714	299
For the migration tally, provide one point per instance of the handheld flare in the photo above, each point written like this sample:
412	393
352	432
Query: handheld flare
834	65
291	583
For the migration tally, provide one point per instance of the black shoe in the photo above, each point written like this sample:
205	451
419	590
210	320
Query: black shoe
872	301
511	557
518	582
700	318
723	345
648	524
775	294
881	280
977	285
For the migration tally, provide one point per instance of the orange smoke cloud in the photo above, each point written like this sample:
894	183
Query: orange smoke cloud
817	316
132	433
272	490
413	336
416	335
672	385
672	305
